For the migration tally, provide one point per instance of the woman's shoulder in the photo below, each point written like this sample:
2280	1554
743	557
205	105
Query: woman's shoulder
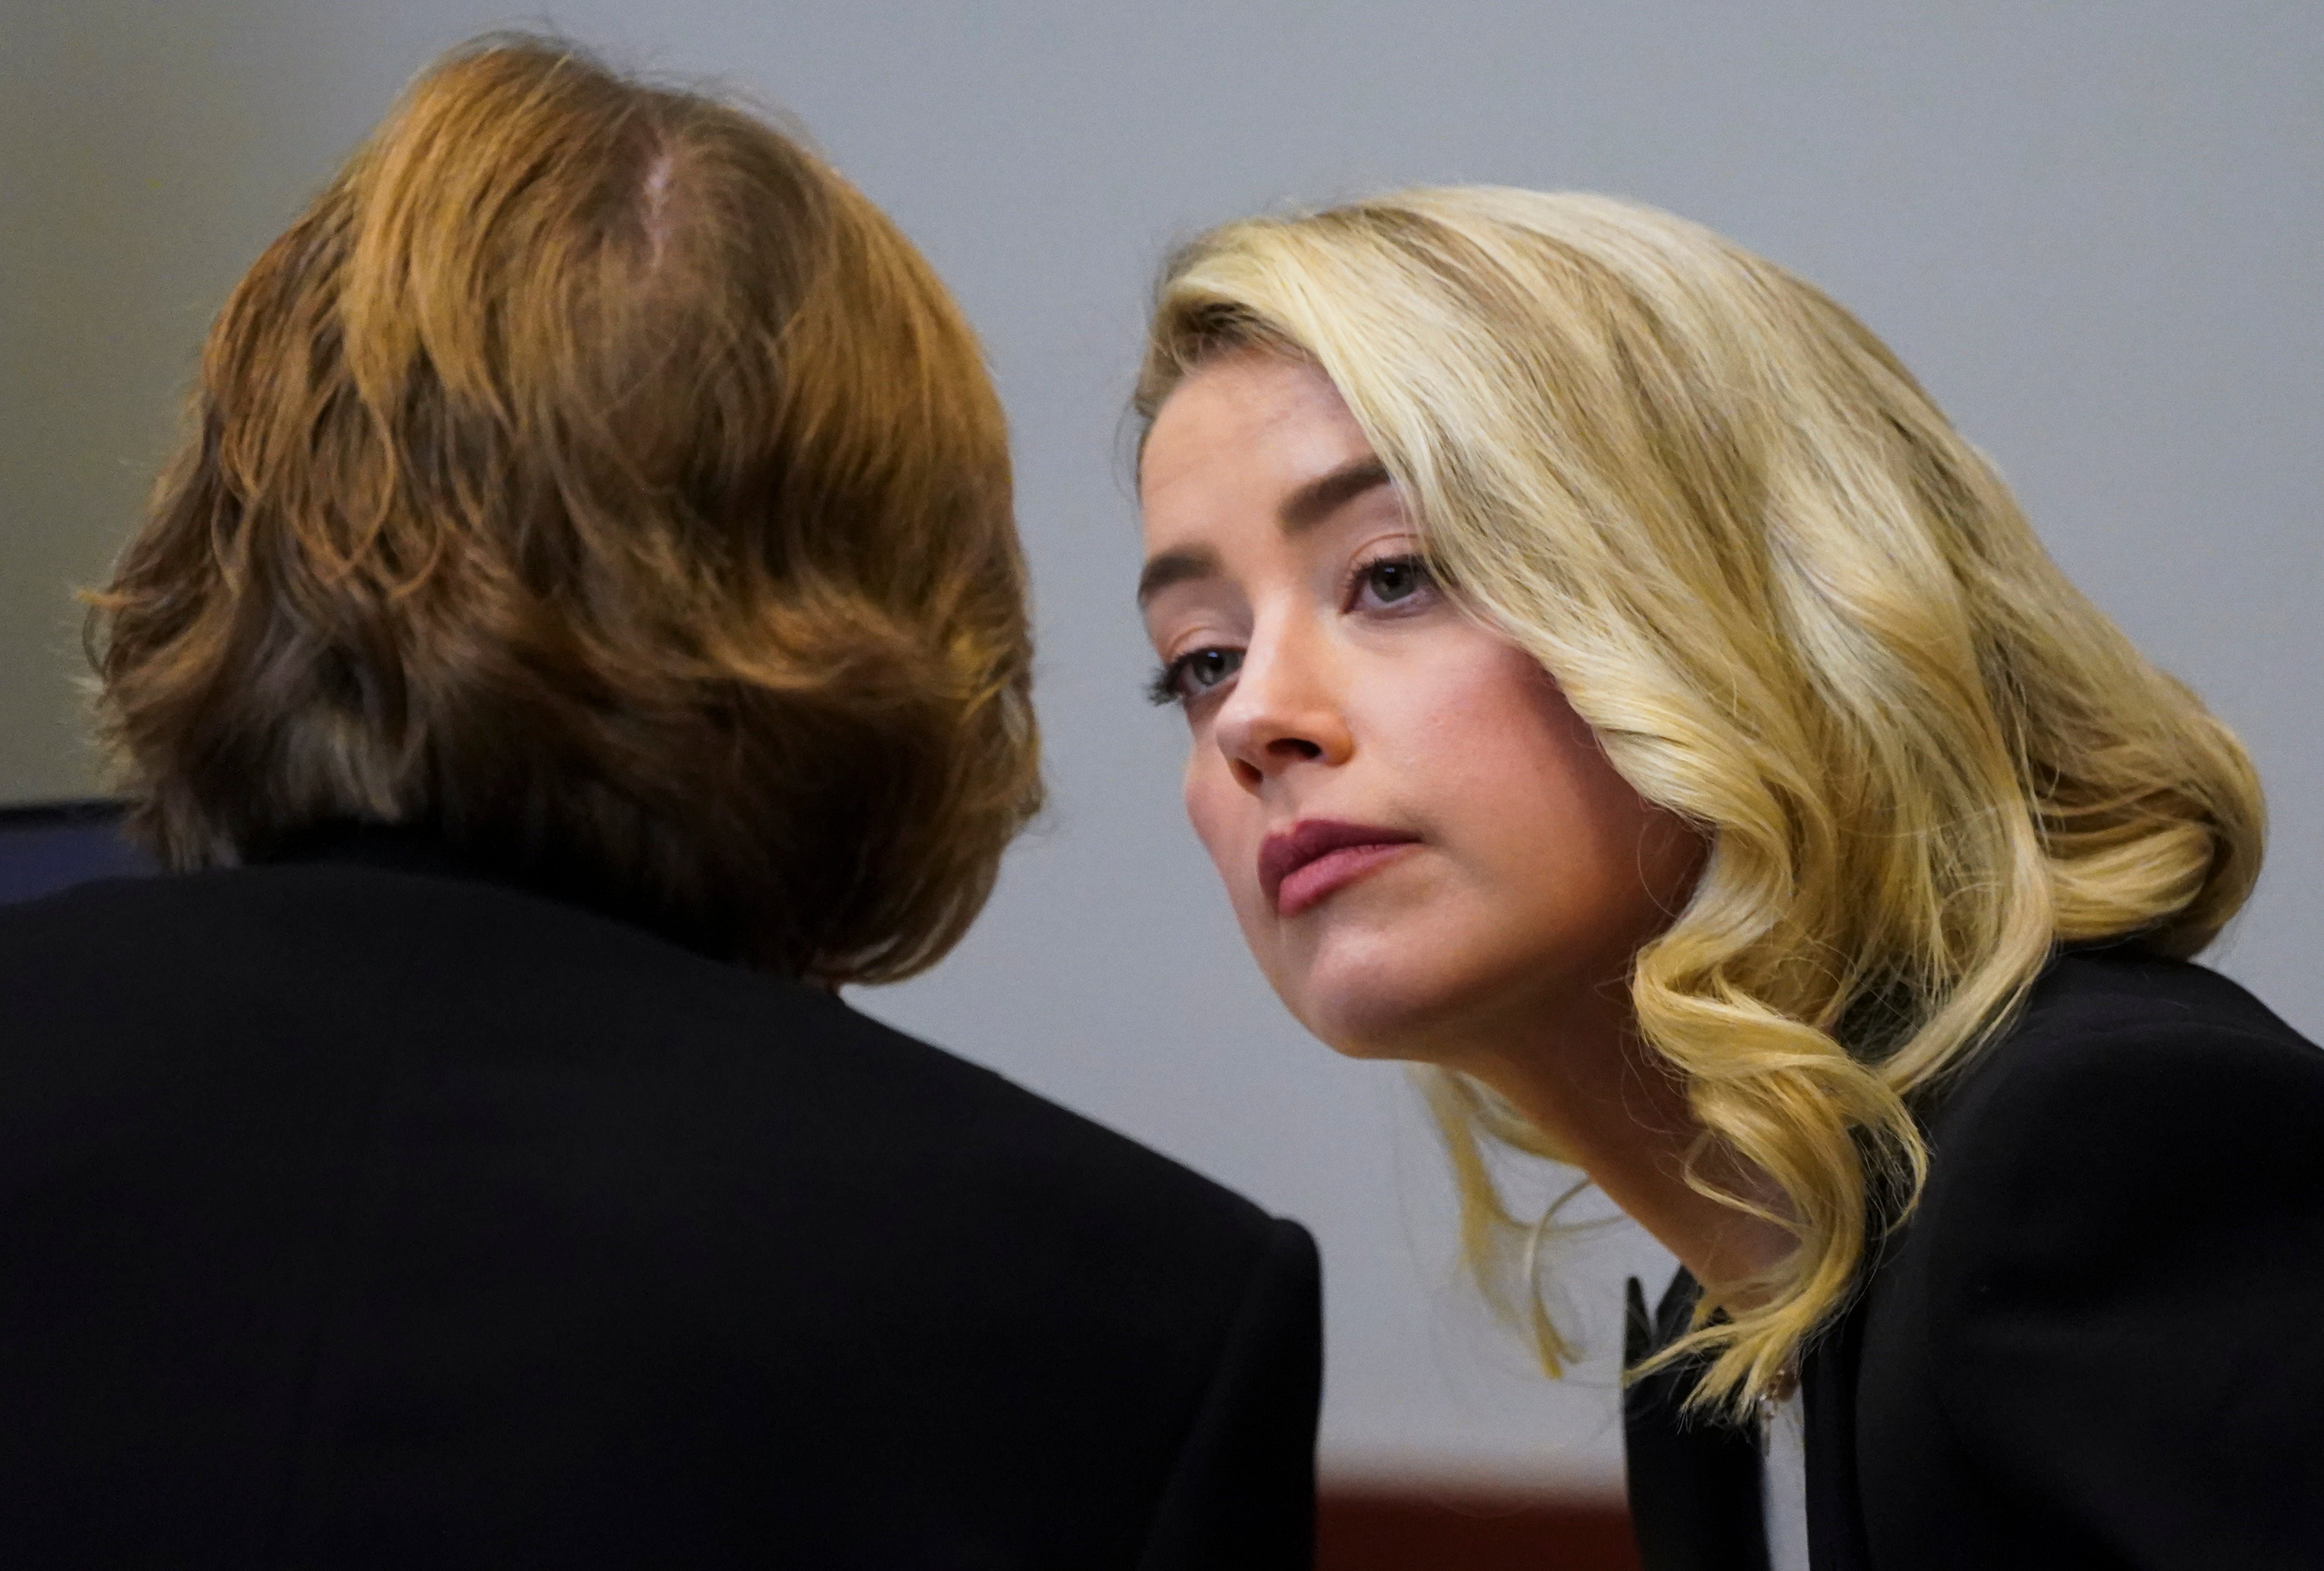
2108	1276
2087	995
2113	1043
2138	1108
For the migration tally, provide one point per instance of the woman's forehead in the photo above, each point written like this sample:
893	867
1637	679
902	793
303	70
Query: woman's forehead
1249	420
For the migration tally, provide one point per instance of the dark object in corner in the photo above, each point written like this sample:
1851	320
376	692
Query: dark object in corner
1694	1479
46	846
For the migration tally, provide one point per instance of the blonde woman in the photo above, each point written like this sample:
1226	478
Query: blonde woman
1613	684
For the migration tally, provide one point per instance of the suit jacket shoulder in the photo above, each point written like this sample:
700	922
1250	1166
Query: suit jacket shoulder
360	1217
2094	1342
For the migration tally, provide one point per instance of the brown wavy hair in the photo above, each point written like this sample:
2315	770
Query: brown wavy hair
592	475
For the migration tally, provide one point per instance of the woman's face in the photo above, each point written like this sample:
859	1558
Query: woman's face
1427	851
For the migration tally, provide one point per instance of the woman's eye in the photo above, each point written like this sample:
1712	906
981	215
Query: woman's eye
1391	580
1195	673
1207	667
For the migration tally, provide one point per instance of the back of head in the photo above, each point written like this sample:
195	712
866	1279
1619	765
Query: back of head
1799	610
593	476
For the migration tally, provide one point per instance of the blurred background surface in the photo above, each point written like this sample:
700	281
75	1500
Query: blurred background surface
2095	230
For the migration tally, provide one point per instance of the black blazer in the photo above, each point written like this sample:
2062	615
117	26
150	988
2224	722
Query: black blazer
366	1211
2100	1341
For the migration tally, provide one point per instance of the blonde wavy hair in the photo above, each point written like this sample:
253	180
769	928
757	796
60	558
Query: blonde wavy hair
1799	610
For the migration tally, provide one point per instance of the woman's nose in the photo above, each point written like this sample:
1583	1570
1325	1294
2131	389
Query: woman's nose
1284	710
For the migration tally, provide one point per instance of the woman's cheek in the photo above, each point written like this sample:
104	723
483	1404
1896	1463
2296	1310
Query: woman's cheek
1209	809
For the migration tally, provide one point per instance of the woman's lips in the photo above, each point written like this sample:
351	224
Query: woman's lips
1301	865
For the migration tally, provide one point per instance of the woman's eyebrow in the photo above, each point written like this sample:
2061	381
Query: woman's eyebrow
1321	497
1305	508
1176	566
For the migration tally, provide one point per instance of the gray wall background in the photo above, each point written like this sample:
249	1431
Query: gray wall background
2095	230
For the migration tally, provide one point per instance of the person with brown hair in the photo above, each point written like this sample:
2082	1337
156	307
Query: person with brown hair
584	627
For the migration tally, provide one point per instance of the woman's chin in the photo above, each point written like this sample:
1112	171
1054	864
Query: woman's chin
1377	973
1374	1012
1443	991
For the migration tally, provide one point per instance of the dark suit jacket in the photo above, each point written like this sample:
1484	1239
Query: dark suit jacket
2100	1341
363	1212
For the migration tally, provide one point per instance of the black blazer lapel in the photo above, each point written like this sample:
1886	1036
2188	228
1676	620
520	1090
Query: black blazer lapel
1694	1479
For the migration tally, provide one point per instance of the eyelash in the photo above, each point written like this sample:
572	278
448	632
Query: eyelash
1165	687
1162	687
